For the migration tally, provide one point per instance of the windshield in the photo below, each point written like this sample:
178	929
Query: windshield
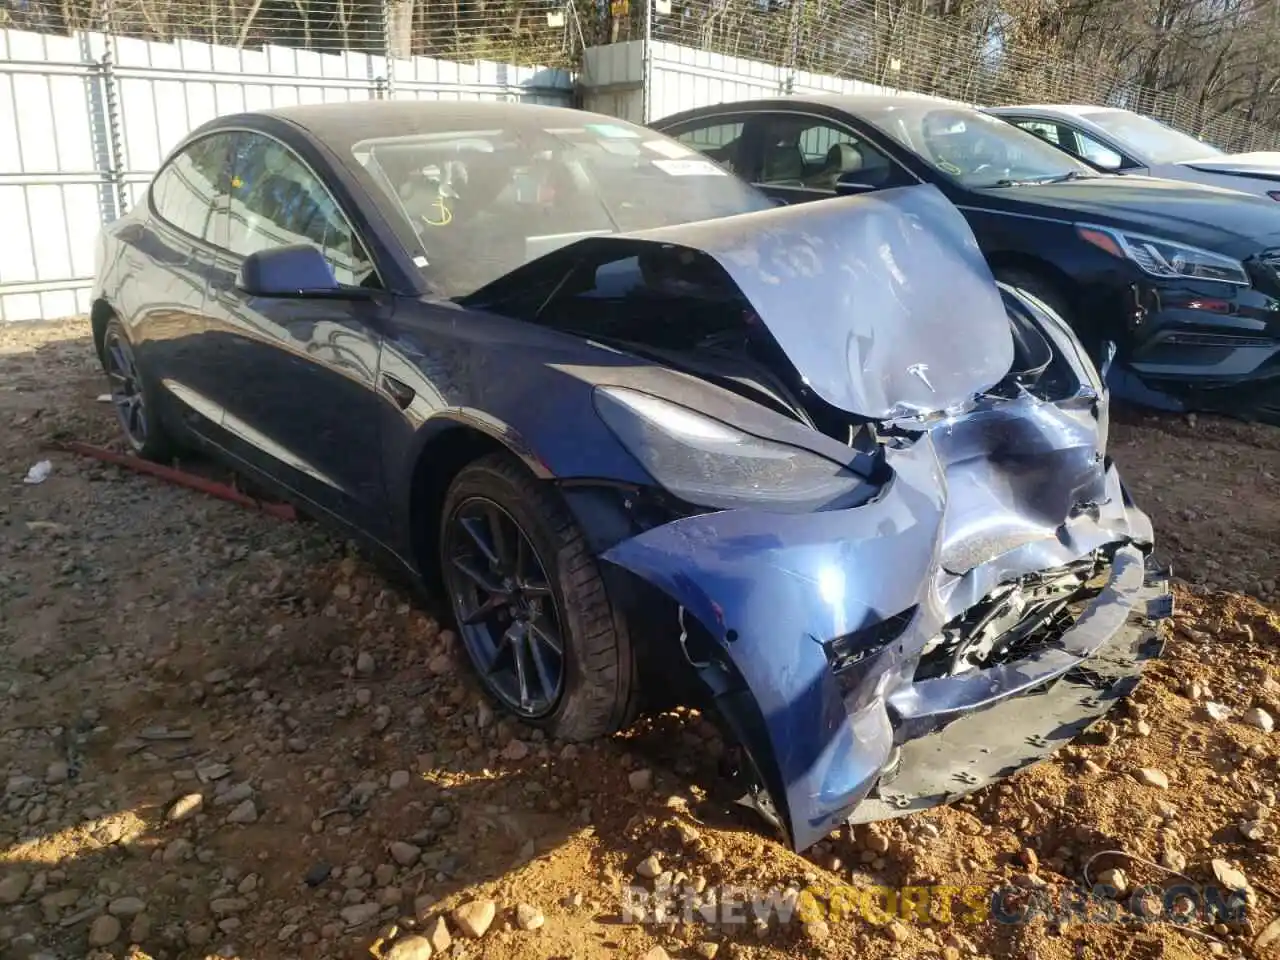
483	202
976	149
1150	139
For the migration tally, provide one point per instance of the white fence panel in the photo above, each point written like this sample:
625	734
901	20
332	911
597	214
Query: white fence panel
684	78
56	157
613	80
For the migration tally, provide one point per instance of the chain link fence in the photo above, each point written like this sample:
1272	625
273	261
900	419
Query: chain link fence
962	57
543	32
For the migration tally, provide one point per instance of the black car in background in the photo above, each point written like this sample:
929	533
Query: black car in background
1178	283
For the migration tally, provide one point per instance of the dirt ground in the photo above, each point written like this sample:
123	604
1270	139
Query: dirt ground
228	735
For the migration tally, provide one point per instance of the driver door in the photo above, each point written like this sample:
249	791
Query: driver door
300	397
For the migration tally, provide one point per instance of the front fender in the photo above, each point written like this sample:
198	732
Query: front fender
771	589
825	616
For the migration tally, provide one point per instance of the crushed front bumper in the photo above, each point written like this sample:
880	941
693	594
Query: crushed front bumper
1045	703
773	591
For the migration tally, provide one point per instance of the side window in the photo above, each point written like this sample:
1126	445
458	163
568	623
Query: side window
276	201
1095	152
185	189
719	142
815	154
1043	130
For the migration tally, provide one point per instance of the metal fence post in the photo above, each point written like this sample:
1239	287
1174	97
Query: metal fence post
389	51
105	75
791	64
646	62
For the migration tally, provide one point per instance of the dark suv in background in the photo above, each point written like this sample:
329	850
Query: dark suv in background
1178	282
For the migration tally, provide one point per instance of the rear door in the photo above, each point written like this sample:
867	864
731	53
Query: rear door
804	156
301	404
795	157
722	138
168	259
1076	142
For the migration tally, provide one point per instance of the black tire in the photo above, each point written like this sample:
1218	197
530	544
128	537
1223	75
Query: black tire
1049	293
1039	288
598	689
133	397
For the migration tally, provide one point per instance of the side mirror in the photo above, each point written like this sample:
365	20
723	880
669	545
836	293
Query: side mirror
296	270
1107	160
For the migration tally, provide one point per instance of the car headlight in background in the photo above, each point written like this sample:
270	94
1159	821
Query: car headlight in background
1164	258
707	462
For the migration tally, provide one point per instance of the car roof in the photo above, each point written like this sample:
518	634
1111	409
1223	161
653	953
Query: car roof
851	103
340	125
1062	109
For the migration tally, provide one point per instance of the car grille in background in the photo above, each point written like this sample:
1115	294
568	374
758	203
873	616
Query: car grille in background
1232	341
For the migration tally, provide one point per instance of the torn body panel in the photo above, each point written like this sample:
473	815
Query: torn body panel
798	604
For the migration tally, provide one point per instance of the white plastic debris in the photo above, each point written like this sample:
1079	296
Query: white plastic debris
104	398
39	473
1217	711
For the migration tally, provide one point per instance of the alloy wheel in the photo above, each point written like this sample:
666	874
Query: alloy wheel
506	611
126	389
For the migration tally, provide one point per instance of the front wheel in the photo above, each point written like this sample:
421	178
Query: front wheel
530	603
132	398
1048	293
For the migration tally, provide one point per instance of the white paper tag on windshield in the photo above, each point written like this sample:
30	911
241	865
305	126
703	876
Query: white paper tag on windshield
689	168
669	148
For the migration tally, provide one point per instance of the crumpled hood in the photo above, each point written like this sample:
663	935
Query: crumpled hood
884	304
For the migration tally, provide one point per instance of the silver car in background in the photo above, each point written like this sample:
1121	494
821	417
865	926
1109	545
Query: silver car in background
1121	141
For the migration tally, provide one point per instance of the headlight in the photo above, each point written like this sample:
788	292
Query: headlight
1163	258
710	463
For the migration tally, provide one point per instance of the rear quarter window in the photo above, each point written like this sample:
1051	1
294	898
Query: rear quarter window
184	191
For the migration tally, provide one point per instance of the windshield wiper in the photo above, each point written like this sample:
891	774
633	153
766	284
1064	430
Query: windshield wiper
1072	175
1033	181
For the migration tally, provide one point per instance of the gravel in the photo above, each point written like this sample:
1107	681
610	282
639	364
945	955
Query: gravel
223	734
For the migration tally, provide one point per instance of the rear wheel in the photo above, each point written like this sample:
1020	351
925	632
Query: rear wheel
530	604
132	397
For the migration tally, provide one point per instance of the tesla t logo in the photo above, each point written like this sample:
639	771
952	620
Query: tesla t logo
921	370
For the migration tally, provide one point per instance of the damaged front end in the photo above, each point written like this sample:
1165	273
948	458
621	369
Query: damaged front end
864	678
964	587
